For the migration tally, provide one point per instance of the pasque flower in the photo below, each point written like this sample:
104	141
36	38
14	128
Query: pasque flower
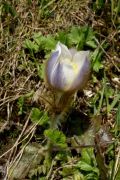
67	70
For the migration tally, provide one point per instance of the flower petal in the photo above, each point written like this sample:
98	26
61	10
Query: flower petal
69	76
51	64
64	52
61	77
73	51
56	78
81	59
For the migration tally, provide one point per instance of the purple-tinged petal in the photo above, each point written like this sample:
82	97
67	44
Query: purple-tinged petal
57	77
50	64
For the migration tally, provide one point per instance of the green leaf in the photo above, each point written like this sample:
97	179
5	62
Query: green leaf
50	42
44	42
41	71
118	118
57	137
30	45
97	66
114	102
36	114
38	38
86	155
89	37
118	115
92	176
68	171
97	56
20	104
78	176
96	60
63	38
86	167
91	43
82	36
75	35
39	117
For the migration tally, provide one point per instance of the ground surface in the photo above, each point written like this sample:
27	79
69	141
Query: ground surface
21	84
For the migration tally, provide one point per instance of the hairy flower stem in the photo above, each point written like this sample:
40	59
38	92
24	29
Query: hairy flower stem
50	144
63	102
53	125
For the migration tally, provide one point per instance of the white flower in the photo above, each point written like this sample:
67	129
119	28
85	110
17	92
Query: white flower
67	70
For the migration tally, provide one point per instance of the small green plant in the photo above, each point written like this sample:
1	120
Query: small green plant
22	102
81	37
57	137
83	168
39	42
39	117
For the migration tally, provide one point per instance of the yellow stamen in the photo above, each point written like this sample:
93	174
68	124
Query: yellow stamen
75	67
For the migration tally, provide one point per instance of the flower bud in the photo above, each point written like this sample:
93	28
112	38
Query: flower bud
67	70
